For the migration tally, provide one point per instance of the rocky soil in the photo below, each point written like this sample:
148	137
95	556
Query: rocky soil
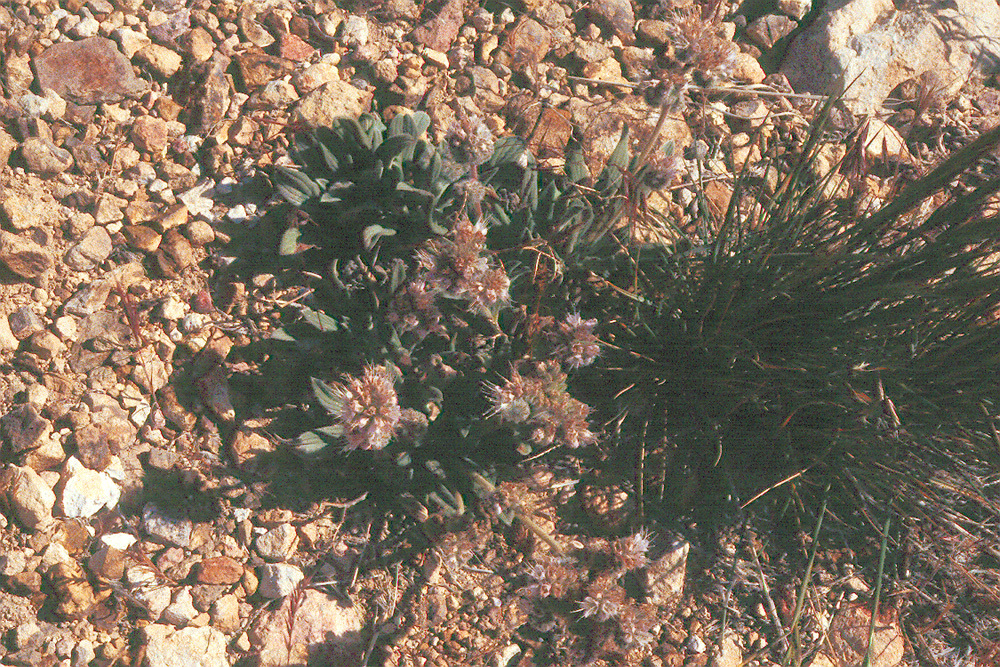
152	513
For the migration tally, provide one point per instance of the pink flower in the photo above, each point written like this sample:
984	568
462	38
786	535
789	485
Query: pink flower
369	410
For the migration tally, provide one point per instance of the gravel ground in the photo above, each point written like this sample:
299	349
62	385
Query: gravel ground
153	512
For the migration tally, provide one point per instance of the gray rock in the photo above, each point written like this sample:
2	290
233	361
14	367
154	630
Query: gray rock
27	635
177	23
162	459
797	9
355	31
318	618
199	232
205	595
87	27
190	647
150	372
181	611
148	590
48	455
197	200
175	253
29	209
617	15
225	613
88	299
8	341
439	32
166	529
278	580
872	47
665	576
45	345
160	60
50	105
87	72
83	653
257	68
130	41
209	95
13	562
96	444
769	29
17	73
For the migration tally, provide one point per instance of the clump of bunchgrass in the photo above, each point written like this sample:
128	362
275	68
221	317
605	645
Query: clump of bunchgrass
799	346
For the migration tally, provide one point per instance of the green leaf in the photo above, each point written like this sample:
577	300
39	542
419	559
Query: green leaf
282	335
392	147
507	150
421	123
289	244
295	186
292	195
312	443
372	233
319	320
403	186
576	166
327	397
332	163
397	276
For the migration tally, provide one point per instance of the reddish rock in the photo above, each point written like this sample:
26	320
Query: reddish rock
258	68
526	45
219	570
87	72
150	135
442	30
294	48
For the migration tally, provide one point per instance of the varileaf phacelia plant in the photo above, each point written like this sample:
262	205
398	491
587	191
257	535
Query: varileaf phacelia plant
433	314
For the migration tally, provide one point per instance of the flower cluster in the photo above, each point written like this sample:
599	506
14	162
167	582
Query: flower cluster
455	267
469	141
540	401
369	408
605	599
613	617
575	342
630	552
699	44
